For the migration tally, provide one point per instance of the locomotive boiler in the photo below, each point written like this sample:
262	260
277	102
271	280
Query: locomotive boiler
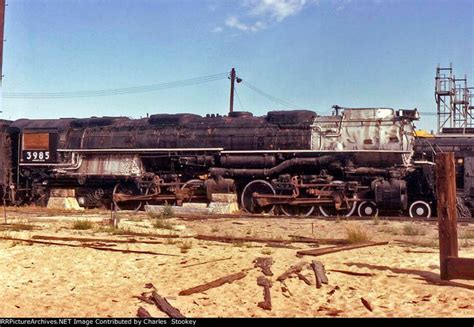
358	160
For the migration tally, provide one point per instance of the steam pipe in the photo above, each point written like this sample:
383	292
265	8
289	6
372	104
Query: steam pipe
231	172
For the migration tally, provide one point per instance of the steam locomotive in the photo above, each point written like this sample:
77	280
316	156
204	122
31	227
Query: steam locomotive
356	161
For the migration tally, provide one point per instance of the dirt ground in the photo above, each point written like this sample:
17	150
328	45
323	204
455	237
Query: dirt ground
40	280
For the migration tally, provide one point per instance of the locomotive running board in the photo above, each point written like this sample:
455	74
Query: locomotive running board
145	150
314	151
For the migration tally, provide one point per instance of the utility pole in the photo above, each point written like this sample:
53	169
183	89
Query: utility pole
2	27
232	81
233	78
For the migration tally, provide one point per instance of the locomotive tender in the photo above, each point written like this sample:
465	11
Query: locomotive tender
358	160
461	142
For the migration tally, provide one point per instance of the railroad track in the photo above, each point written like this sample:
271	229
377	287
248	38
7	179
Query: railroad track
188	216
354	218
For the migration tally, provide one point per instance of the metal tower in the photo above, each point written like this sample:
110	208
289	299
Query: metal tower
454	102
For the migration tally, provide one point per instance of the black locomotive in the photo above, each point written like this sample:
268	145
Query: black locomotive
358	160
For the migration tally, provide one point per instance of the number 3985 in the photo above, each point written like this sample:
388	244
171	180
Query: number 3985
37	155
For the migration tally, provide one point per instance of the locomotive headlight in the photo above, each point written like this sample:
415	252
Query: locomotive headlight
460	161
81	201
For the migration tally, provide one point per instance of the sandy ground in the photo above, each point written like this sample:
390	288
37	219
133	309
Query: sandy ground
58	281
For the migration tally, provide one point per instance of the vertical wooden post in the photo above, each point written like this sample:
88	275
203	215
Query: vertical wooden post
447	219
232	81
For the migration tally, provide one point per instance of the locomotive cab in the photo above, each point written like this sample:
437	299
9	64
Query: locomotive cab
38	147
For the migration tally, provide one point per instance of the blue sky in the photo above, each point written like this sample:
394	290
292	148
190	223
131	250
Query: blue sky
313	54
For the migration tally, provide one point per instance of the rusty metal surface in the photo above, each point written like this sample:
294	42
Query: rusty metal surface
51	124
115	165
364	129
5	157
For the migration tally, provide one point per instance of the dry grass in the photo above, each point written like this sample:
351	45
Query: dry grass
413	230
389	230
428	243
82	225
467	234
17	227
161	223
185	245
267	251
357	235
376	219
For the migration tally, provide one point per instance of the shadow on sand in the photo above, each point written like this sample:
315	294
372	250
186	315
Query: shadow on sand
427	276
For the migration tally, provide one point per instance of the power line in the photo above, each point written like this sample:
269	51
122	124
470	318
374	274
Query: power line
118	91
270	97
238	98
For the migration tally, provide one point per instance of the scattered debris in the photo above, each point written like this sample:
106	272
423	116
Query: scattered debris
366	304
230	239
266	304
285	290
215	283
319	273
143	313
150	285
418	251
353	273
304	279
426	297
165	306
331	241
293	270
86	246
284	246
265	264
145	298
85	239
318	252
210	261
336	288
330	311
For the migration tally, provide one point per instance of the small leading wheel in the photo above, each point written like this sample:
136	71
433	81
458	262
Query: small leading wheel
420	209
126	189
248	202
331	211
367	209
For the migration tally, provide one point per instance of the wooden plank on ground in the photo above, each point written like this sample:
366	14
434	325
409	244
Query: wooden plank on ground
165	306
100	248
143	313
334	249
215	283
460	268
319	273
293	270
331	241
265	263
232	239
88	239
205	262
266	304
